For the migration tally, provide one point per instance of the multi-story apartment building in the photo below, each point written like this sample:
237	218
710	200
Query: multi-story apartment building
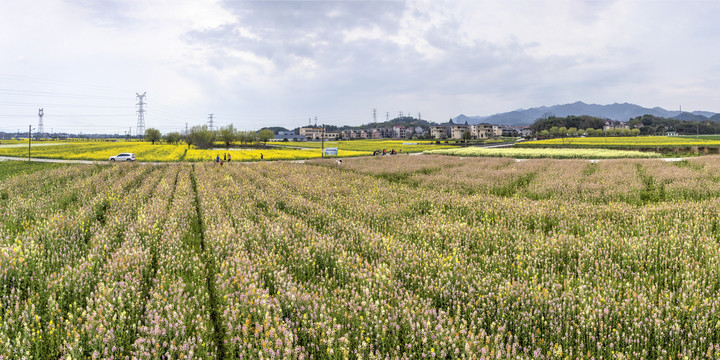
312	133
485	131
399	132
458	130
439	132
382	133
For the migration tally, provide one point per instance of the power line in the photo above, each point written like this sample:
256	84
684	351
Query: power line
55	94
75	116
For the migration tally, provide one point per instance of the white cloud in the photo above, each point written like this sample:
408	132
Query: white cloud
256	62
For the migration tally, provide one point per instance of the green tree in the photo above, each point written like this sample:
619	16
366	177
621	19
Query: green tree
201	137
590	132
152	135
545	133
572	131
227	134
635	132
554	131
264	135
466	136
172	137
246	137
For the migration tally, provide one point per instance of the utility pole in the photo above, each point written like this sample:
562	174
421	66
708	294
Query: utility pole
322	154
29	140
41	128
141	113
210	121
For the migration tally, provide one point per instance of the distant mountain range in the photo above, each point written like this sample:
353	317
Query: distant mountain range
619	112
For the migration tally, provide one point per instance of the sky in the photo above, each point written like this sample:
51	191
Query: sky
280	63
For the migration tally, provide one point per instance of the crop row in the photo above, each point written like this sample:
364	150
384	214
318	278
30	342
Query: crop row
283	260
635	181
521	153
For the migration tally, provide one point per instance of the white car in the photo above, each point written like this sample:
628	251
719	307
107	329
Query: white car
123	157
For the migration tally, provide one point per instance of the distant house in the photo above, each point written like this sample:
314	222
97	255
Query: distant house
458	130
485	131
671	133
312	133
439	132
331	135
509	131
399	132
289	135
382	133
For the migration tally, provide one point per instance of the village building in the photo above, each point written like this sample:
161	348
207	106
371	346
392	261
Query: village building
399	132
439	132
458	130
288	135
312	133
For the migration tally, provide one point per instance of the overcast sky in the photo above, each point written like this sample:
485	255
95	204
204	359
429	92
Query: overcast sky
278	63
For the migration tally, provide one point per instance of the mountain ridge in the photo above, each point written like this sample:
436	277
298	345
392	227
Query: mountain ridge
616	111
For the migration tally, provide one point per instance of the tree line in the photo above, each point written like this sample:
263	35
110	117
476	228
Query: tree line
654	125
202	137
640	125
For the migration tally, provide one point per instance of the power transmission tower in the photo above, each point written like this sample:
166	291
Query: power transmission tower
41	128
387	116
210	121
419	116
400	113
316	121
375	116
186	129
141	113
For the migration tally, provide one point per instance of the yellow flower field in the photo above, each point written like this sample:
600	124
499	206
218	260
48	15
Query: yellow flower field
99	151
146	152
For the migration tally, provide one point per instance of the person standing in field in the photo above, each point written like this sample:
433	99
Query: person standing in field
224	156
261	157
229	157
217	159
